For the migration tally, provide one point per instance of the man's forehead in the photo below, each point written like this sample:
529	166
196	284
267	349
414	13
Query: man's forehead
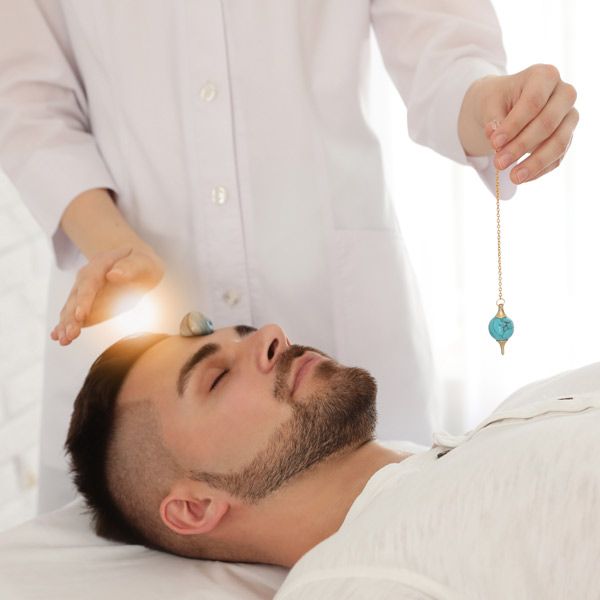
156	371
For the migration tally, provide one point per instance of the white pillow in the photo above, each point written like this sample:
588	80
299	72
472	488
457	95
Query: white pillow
58	556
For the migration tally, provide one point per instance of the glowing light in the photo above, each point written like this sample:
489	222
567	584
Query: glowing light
142	317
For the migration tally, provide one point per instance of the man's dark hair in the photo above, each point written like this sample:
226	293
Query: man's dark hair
91	432
120	464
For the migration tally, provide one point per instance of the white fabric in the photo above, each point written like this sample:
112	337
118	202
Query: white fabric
57	555
509	511
164	102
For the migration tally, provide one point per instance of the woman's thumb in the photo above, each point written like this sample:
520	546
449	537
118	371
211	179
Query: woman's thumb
491	126
125	269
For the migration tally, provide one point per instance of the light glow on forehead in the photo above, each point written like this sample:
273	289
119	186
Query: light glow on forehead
142	317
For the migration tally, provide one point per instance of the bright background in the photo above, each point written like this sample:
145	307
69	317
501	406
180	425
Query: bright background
550	229
551	249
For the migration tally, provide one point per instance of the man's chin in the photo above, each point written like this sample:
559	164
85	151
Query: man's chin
348	397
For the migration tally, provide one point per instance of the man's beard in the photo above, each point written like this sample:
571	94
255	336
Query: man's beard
339	415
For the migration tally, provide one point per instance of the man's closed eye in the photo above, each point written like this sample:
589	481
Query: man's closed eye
216	381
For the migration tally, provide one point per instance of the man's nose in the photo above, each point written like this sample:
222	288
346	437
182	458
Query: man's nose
271	343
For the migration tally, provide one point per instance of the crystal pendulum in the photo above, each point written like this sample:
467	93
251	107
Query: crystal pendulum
500	327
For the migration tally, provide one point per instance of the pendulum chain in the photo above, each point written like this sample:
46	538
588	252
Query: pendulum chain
500	327
499	243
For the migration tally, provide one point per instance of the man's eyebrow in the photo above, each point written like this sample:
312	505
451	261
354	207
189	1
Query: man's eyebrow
203	353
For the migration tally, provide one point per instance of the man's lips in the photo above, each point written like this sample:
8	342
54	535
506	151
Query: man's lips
303	366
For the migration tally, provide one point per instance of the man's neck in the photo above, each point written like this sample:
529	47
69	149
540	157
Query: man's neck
303	514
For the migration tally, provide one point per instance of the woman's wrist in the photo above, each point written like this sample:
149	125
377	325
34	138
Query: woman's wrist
94	223
471	128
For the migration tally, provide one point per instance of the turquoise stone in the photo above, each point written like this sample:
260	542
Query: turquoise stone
501	328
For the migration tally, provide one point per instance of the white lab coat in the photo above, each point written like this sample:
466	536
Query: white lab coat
234	138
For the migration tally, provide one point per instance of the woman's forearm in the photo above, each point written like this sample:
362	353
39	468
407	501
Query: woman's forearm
95	224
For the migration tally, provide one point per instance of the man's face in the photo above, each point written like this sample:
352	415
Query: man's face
234	413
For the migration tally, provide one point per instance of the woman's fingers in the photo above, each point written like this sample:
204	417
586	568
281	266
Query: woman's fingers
549	152
534	86
100	286
547	169
65	332
88	282
58	332
542	128
87	290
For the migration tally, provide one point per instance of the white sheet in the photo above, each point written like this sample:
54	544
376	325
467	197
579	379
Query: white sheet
57	556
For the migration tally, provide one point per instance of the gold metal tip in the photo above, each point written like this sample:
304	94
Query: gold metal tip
502	342
501	314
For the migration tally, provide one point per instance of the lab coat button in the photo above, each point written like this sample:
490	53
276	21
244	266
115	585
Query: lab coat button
208	92
219	194
232	297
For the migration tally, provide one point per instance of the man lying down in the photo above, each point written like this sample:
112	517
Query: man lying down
240	446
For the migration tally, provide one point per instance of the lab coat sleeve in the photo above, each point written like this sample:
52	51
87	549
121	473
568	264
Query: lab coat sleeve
433	50
46	147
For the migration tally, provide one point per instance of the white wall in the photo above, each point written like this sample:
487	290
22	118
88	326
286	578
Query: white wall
24	267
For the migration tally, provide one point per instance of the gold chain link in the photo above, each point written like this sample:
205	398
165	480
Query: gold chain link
500	298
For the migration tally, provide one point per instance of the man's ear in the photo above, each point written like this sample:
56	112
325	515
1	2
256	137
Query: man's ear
189	515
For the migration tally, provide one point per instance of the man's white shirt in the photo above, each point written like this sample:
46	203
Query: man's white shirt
507	510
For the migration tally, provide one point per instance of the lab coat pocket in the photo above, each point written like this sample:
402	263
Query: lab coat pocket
380	326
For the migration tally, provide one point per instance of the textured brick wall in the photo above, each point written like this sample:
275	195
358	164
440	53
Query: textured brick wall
24	268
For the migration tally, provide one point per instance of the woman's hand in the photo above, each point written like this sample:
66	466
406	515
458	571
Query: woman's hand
530	112
100	287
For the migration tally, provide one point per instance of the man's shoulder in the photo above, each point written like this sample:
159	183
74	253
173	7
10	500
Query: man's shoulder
581	380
